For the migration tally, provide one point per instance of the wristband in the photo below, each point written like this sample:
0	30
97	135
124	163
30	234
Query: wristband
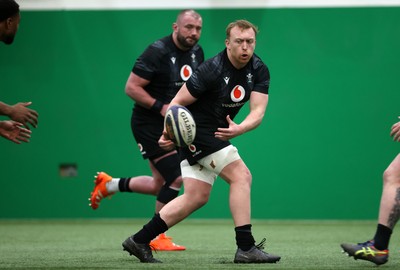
157	106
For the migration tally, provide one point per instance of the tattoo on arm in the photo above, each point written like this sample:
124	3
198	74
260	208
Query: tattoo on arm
395	213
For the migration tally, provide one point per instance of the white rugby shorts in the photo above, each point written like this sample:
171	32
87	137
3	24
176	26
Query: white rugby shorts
209	167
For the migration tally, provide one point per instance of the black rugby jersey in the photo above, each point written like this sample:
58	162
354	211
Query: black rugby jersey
221	90
167	68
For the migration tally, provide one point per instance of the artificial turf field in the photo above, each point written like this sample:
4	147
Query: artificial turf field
96	244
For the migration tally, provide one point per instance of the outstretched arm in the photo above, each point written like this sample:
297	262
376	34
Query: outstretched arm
258	105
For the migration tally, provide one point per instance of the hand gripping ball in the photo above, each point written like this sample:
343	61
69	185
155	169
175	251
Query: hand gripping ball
180	125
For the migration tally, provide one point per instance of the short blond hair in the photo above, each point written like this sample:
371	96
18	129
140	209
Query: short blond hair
242	24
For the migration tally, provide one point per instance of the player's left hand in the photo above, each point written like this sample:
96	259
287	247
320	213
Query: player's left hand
395	132
232	131
14	131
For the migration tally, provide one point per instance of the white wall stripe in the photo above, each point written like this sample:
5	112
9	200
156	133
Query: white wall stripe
199	4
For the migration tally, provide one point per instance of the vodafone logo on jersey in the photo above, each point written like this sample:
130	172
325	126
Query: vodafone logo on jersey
192	148
237	93
186	72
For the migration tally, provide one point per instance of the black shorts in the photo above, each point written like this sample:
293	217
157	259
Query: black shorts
147	128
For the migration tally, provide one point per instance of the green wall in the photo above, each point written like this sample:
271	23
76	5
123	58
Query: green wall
319	154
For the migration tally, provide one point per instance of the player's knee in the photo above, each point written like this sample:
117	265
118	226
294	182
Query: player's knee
246	178
167	194
391	176
249	177
177	183
170	170
202	201
155	188
199	198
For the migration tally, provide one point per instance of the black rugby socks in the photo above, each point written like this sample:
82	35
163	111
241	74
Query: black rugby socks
244	238
149	231
382	237
123	184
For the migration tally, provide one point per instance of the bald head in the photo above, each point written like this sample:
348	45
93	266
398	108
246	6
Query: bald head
187	29
187	12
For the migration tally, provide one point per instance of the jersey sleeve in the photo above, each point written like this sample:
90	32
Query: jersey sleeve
198	82
149	61
261	83
203	79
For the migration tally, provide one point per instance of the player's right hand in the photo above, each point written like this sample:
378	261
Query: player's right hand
22	114
165	143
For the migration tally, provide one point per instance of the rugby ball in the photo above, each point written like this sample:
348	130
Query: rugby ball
179	125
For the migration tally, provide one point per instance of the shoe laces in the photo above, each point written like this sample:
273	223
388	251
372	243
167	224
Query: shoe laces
367	243
261	244
152	248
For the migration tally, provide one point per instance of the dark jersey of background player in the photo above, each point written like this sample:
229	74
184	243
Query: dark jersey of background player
157	75
221	90
167	68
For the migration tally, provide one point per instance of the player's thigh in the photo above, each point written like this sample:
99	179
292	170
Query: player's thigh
157	177
147	132
236	172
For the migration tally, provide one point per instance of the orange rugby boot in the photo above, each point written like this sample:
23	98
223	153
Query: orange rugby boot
164	243
100	189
